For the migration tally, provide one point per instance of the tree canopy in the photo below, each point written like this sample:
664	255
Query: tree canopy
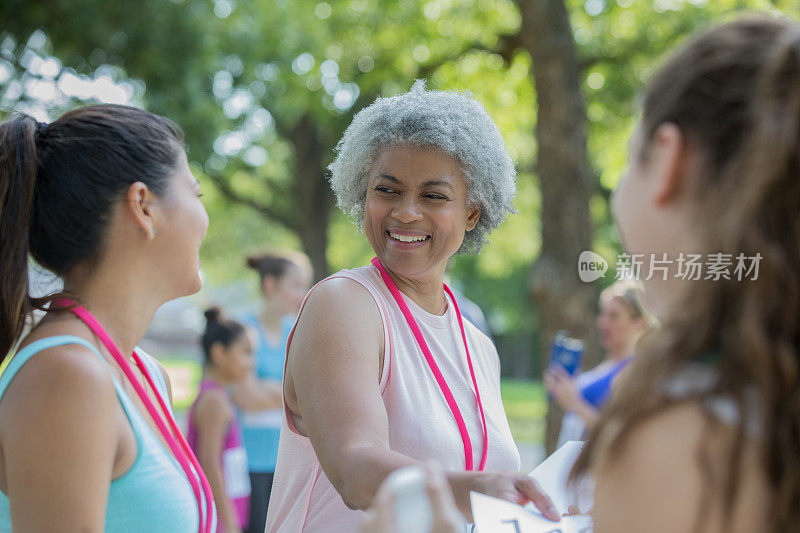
264	89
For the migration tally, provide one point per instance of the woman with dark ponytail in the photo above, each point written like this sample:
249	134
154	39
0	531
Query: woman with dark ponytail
703	434
214	431
103	197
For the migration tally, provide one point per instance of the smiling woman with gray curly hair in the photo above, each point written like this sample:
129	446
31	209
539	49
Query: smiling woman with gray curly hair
454	123
381	370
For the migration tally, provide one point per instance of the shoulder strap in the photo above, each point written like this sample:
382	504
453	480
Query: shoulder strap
24	355
155	372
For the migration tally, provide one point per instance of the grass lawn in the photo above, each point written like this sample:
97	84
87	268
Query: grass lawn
525	401
185	377
526	406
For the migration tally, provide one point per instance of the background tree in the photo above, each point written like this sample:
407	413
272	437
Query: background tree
566	182
264	88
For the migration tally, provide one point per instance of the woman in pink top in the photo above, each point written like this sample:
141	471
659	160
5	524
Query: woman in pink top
382	371
213	430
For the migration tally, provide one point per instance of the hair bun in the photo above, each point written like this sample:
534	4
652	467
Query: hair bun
212	314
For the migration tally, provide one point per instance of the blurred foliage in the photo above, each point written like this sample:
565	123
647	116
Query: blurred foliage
236	74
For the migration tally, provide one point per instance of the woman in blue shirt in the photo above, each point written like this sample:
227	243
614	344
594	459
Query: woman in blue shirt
622	320
285	279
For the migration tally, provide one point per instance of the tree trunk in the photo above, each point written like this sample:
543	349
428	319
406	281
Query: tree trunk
312	192
565	175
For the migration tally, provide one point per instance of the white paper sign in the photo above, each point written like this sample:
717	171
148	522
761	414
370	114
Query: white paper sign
552	475
234	468
493	515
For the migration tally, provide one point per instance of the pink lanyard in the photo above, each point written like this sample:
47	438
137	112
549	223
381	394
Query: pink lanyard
177	444
448	396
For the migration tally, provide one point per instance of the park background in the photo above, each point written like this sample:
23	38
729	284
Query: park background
264	89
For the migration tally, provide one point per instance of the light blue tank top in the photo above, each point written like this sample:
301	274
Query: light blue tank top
262	432
154	495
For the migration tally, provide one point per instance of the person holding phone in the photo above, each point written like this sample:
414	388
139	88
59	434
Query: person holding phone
622	320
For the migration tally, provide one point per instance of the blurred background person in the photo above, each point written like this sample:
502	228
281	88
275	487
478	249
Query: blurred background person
622	320
214	432
285	278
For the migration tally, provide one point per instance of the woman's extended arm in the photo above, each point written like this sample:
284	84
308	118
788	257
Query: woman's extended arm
253	394
334	368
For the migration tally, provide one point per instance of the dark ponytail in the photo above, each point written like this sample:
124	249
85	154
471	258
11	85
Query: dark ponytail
58	183
18	164
219	329
270	264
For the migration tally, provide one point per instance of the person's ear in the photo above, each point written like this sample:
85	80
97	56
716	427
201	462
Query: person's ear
669	160
268	285
217	353
139	206
473	215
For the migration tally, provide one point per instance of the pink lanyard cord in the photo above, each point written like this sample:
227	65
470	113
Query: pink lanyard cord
175	440
448	395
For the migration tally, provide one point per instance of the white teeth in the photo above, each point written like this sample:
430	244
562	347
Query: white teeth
408	238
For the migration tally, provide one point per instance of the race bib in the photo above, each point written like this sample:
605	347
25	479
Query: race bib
234	468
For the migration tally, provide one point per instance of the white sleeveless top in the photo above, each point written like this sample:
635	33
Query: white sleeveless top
421	425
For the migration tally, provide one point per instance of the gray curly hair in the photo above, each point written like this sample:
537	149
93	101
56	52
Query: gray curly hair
455	123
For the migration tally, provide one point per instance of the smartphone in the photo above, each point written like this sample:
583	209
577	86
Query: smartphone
567	352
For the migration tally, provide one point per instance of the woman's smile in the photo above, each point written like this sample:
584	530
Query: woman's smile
407	240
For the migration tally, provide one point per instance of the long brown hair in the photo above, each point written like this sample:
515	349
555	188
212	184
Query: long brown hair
58	183
735	94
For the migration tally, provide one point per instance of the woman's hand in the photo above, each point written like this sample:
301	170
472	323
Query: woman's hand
510	486
562	387
446	518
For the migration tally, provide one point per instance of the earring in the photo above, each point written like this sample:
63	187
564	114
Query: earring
155	231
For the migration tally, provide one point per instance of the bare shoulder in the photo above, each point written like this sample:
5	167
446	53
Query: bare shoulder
338	340
342	294
339	308
68	384
213	404
66	368
659	479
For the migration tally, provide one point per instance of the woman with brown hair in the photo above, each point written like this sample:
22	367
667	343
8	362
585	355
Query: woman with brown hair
704	432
